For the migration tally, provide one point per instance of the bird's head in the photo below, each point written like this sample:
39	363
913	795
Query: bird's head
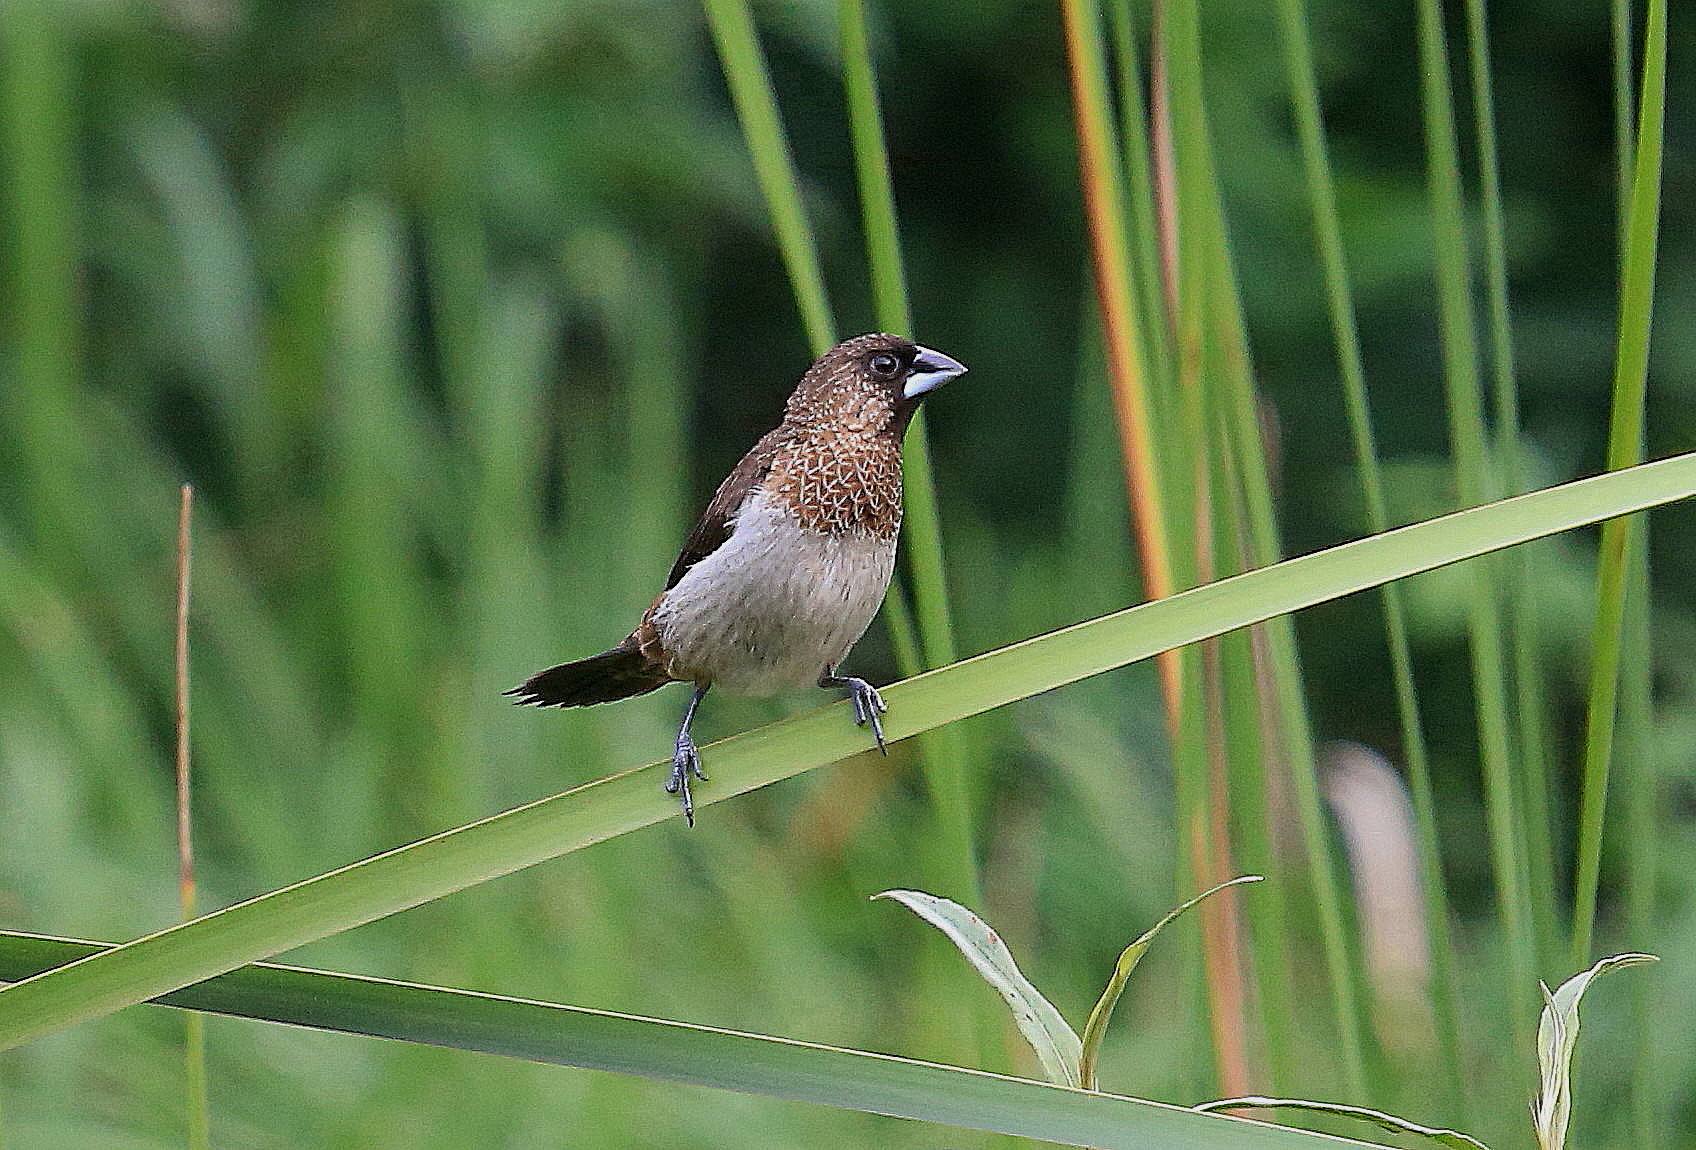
870	384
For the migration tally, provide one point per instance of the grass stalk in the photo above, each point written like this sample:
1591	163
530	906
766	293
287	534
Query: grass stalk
1209	827
670	1051
1642	820
948	753
1473	481
36	129
1207	848
756	108
1104	206
1518	569
1637	713
1625	446
1243	421
194	1025
1304	93
1624	116
454	860
1139	190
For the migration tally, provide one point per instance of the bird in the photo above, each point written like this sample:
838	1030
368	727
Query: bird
789	563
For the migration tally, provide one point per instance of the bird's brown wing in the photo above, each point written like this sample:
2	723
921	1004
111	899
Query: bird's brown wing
715	523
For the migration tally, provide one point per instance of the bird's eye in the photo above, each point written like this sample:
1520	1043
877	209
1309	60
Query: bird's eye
884	365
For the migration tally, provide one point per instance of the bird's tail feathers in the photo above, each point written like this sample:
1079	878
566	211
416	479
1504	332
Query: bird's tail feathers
621	673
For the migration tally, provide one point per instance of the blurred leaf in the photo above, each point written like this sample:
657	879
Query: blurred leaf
454	860
680	1052
1557	1038
1096	1028
1055	1042
1390	1122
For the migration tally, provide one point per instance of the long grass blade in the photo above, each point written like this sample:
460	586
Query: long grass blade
522	837
947	753
1202	766
1520	579
1625	447
756	107
1179	470
1624	117
1643	830
37	131
700	1055
1205	228
1104	205
1304	90
1464	390
1139	190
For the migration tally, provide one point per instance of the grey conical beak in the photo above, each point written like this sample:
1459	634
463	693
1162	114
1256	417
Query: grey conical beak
931	369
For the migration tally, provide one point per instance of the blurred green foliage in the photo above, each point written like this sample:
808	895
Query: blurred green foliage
454	312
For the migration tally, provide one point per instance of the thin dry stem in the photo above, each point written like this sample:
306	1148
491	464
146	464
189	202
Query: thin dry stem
185	839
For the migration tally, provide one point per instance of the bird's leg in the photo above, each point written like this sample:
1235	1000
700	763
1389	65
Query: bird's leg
686	759
868	704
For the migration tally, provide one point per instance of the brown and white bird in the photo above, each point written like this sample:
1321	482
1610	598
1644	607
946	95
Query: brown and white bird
789	563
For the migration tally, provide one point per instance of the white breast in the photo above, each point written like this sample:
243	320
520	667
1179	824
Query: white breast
775	604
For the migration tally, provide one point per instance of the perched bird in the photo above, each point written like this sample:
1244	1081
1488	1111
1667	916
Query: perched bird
790	561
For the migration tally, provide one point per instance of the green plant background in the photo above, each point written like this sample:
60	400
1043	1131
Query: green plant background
455	312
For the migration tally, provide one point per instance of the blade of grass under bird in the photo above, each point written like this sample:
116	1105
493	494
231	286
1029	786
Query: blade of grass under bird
466	856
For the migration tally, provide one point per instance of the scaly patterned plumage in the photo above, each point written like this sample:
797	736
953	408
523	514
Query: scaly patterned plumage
788	565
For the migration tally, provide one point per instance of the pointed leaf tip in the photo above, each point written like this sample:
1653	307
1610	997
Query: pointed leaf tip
1055	1042
1450	1138
1095	1030
1557	1038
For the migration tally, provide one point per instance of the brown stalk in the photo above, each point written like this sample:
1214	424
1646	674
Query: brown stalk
1105	212
1104	208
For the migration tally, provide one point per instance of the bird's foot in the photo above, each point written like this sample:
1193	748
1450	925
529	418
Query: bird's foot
685	761
869	707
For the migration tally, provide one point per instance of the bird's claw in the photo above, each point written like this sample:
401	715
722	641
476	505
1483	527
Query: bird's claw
868	708
685	761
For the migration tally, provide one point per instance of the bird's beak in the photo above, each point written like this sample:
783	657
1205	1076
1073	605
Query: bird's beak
931	369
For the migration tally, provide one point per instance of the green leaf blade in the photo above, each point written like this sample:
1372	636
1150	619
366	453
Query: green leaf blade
1557	1039
1453	1139
522	837
698	1055
1095	1030
1056	1044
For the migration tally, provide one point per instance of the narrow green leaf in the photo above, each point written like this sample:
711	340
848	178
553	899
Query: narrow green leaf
1096	1028
1465	395
522	837
1518	575
1451	1138
1055	1042
947	753
1557	1038
1243	430
700	1055
1625	447
1304	95
756	106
